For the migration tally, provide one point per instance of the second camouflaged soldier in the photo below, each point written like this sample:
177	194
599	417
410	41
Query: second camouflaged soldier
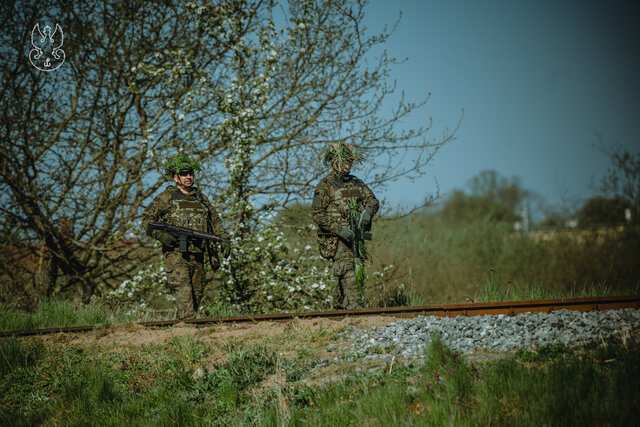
184	205
331	213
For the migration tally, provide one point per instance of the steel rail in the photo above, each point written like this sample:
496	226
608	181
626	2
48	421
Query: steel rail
447	310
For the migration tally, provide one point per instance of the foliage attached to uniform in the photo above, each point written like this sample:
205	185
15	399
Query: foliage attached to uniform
179	162
341	153
358	266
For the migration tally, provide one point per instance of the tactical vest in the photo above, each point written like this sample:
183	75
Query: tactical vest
338	209
342	192
189	211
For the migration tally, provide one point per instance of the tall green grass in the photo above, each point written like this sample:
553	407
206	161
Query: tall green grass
445	262
158	387
493	289
60	313
51	313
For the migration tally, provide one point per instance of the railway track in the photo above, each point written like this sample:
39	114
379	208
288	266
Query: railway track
446	310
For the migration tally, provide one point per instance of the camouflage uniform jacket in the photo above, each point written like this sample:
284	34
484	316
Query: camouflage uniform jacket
192	210
330	207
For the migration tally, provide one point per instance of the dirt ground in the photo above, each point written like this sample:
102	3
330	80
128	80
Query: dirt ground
135	336
317	338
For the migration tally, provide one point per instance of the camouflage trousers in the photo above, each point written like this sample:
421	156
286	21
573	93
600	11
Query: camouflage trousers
185	280
345	295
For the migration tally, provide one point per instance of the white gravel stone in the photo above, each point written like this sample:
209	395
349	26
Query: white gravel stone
410	338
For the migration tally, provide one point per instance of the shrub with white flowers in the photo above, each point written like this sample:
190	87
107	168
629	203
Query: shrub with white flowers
139	292
259	275
264	274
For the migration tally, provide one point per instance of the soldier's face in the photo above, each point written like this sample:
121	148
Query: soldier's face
342	167
184	178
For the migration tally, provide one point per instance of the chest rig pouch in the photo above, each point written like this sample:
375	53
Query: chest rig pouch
343	192
189	212
338	209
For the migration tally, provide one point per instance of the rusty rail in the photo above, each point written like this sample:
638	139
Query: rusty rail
447	310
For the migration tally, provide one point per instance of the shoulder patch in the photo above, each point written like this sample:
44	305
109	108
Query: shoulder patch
164	196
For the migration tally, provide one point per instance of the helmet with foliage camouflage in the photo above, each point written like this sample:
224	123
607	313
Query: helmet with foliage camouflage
179	162
341	153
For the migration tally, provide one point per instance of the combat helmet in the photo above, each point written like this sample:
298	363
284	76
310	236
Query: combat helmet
180	162
341	153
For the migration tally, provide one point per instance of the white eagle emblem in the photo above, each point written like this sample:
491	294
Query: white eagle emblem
46	54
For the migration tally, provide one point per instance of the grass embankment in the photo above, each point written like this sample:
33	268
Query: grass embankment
252	384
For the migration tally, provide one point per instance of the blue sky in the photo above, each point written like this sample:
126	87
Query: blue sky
537	81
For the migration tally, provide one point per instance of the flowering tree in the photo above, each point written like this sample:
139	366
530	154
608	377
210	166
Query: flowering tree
253	89
83	144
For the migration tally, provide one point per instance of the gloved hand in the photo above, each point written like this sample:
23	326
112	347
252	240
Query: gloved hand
167	239
365	219
346	234
225	248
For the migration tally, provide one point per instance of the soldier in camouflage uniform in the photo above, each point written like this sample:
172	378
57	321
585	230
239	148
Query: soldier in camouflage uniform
331	213
184	205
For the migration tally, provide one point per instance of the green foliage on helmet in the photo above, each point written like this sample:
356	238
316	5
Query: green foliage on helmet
179	162
341	153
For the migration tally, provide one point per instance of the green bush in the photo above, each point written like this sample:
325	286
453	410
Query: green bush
603	211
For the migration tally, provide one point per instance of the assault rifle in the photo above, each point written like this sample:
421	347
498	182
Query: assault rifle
360	235
185	233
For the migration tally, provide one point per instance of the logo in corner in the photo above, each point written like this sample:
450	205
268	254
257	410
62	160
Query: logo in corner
46	54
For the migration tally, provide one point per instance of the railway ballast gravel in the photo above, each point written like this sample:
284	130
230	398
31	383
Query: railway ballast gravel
491	333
